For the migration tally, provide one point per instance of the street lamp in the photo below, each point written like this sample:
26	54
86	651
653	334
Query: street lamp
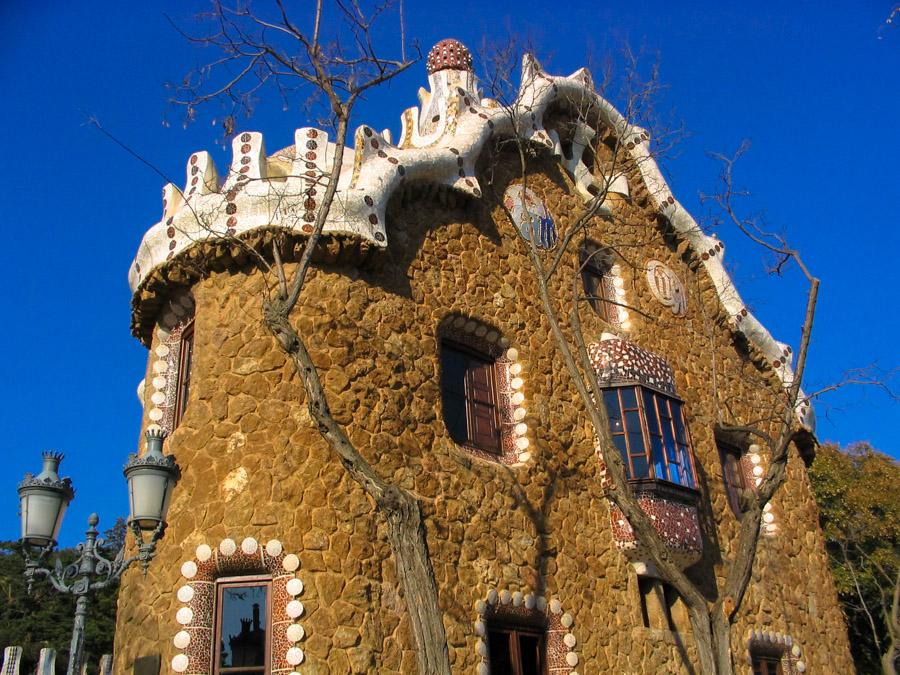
43	501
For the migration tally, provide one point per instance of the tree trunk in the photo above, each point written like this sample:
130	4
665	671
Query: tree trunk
721	629
401	511
703	639
406	534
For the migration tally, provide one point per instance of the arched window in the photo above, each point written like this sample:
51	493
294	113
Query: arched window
470	401
597	278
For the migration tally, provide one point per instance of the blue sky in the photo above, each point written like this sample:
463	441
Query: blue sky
811	85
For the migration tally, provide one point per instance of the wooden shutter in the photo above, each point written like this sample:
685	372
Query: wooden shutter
481	399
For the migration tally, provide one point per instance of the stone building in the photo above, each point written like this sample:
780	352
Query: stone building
423	316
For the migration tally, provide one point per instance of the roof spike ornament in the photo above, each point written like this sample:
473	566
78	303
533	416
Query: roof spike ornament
452	88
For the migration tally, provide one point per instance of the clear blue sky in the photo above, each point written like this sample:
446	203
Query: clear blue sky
811	86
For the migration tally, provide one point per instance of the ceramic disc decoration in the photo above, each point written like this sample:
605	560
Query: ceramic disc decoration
666	287
531	216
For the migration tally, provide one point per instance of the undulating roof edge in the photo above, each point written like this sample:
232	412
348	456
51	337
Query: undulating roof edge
439	144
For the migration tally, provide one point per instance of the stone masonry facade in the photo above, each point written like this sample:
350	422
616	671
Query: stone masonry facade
530	532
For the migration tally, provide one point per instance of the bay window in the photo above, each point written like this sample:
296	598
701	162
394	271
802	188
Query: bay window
649	430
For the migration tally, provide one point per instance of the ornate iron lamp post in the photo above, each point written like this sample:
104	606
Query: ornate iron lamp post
43	501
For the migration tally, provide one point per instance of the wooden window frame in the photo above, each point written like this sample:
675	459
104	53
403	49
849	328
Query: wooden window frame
597	277
241	581
766	661
491	363
513	630
185	361
674	415
735	484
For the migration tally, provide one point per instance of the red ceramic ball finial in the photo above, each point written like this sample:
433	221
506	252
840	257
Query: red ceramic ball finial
449	53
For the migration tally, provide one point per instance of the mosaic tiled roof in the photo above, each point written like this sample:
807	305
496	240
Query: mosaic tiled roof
621	362
439	144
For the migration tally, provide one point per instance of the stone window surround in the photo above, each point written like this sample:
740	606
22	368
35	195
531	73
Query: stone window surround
197	615
769	641
482	338
506	605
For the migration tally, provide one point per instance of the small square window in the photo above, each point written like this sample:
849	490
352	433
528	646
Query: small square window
517	649
659	604
766	661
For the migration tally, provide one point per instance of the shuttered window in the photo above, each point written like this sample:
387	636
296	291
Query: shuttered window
597	280
468	387
732	475
185	360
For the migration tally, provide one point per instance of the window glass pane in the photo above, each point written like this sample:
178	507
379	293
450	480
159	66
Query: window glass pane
641	468
650	413
611	400
453	370
530	654
680	434
242	633
500	655
455	416
687	474
635	433
629	400
668	441
675	472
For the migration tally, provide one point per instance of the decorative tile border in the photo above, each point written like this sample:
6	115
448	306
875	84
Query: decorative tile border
506	605
514	436
440	142
197	615
791	660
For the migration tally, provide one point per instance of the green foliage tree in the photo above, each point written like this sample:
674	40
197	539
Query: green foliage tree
859	509
44	618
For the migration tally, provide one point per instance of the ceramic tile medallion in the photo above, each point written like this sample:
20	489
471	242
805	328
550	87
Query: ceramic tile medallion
531	216
666	287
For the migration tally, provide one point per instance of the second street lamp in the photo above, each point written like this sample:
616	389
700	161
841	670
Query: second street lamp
43	501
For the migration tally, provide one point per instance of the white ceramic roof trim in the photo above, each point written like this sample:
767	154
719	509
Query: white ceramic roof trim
262	202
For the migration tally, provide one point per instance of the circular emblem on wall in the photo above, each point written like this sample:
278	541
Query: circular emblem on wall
666	287
530	216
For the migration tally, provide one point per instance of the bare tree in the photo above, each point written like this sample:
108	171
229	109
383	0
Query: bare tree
330	57
607	131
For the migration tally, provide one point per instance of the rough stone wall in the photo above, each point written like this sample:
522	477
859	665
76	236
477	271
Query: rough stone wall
254	465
